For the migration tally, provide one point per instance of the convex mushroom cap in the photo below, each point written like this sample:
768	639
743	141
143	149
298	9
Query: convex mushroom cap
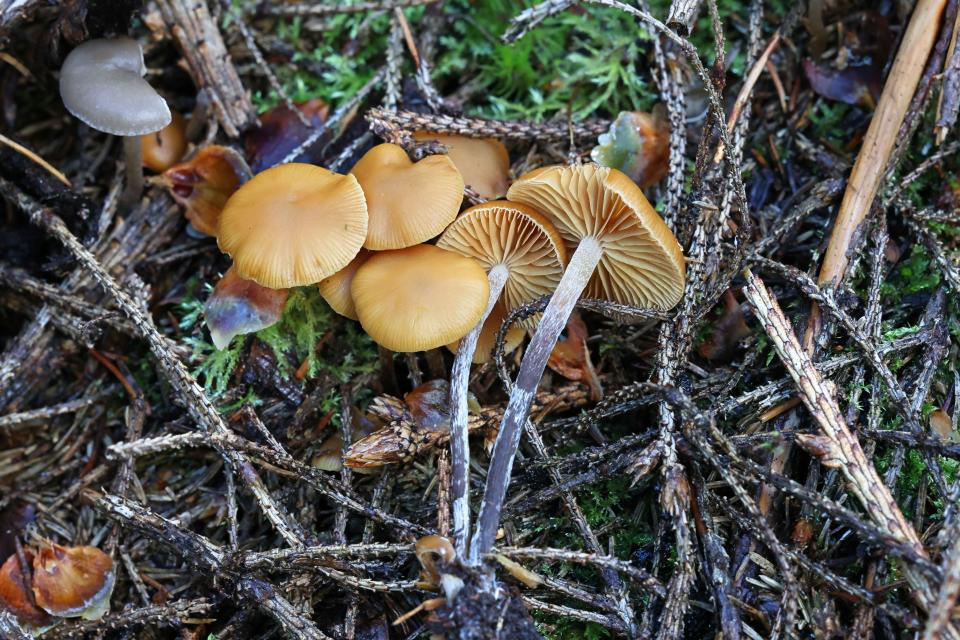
336	289
293	225
483	162
419	298
516	238
408	202
642	263
101	83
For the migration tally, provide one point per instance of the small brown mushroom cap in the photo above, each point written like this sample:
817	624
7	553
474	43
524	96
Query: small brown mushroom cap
483	162
101	83
642	263
487	339
293	225
408	202
336	289
419	298
513	235
165	148
72	581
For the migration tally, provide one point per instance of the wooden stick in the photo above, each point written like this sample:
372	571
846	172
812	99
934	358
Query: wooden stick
837	446
870	166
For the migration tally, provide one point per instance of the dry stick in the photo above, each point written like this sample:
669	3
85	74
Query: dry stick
481	128
205	555
208	61
459	415
191	395
837	446
878	143
332	8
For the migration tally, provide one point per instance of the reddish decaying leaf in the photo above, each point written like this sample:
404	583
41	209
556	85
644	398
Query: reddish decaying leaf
728	330
72	581
202	184
855	84
429	404
281	131
14	596
238	307
571	357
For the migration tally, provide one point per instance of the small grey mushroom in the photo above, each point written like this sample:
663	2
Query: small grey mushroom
101	83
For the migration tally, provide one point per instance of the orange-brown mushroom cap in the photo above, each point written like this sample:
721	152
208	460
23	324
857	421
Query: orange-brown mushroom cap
293	225
642	263
408	203
165	148
70	581
336	289
483	162
513	235
419	298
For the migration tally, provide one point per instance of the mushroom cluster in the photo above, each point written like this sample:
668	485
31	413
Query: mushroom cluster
53	581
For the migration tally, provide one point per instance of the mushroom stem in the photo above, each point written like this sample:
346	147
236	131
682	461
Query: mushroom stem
459	436
133	159
574	281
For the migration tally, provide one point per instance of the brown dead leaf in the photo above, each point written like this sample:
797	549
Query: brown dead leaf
202	184
728	330
571	357
281	131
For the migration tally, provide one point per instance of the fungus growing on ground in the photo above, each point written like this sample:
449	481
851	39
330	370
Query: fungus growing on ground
524	255
15	595
238	307
408	202
165	148
483	162
293	225
419	298
622	252
203	184
72	582
101	83
638	144
336	289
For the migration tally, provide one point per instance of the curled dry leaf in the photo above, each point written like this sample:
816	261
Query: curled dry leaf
15	596
238	307
728	330
202	184
281	131
73	582
942	426
638	144
571	357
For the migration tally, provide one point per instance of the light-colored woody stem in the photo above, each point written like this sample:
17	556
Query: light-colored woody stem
574	281
459	434
836	446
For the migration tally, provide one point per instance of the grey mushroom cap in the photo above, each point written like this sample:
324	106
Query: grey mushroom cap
101	83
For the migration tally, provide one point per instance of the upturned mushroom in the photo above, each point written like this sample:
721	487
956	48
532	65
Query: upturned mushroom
419	298
524	256
408	202
622	251
238	307
483	162
101	83
293	225
203	184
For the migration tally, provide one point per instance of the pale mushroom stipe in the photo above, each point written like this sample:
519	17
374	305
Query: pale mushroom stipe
101	83
622	251
523	255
